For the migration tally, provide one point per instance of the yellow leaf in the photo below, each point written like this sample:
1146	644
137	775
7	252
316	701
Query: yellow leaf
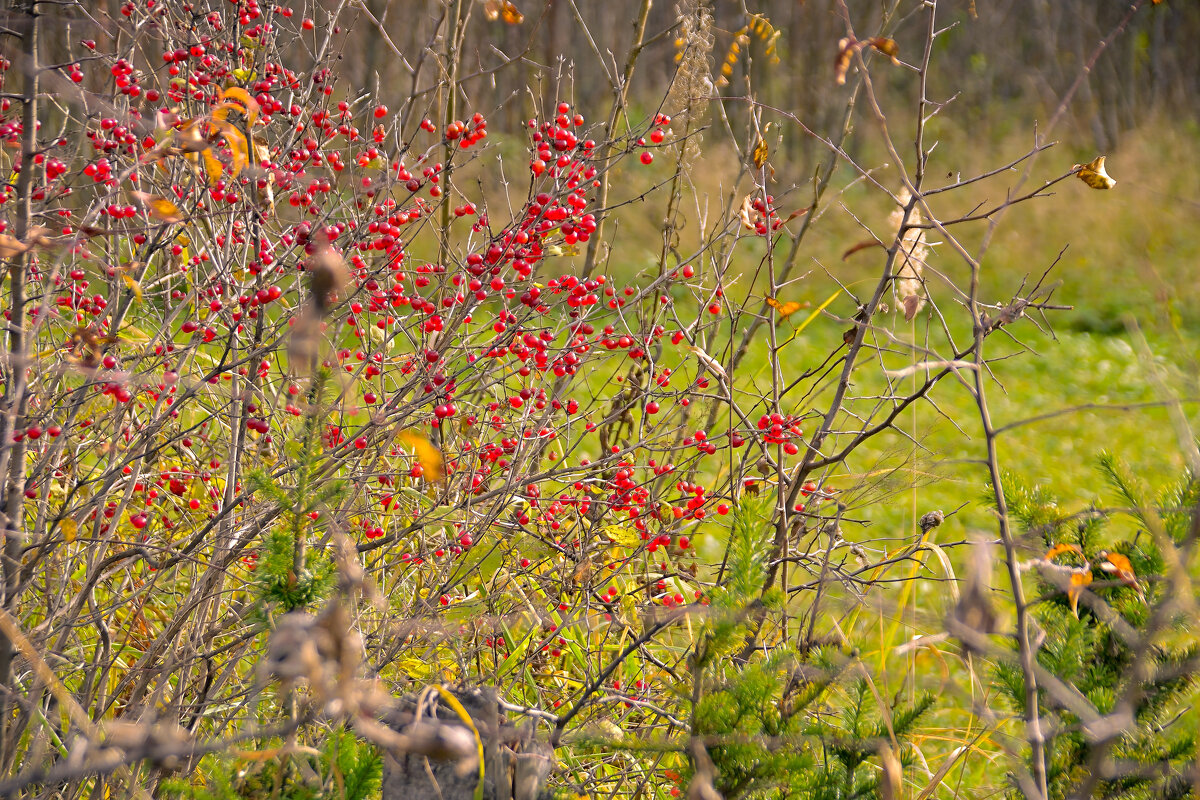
623	536
132	285
133	334
761	153
1093	174
239	99
788	308
237	145
428	456
70	529
212	167
159	207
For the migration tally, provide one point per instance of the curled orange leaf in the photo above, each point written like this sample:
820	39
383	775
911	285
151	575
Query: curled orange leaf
1079	580
1059	549
1120	566
503	10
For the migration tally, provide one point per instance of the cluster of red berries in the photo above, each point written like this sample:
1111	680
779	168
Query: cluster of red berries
657	135
780	429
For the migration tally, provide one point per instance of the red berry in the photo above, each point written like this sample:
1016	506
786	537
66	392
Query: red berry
647	158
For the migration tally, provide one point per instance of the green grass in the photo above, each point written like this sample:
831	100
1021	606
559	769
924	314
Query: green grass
1128	271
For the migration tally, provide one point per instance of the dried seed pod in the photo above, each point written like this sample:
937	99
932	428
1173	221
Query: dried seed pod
931	520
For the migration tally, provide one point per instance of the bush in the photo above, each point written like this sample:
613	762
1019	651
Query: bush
311	401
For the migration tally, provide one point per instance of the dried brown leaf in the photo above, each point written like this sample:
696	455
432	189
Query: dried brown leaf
912	304
749	214
863	245
11	246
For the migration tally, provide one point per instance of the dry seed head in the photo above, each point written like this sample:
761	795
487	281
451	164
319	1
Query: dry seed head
910	260
687	99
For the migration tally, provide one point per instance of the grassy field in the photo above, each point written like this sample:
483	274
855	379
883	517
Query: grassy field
1125	351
